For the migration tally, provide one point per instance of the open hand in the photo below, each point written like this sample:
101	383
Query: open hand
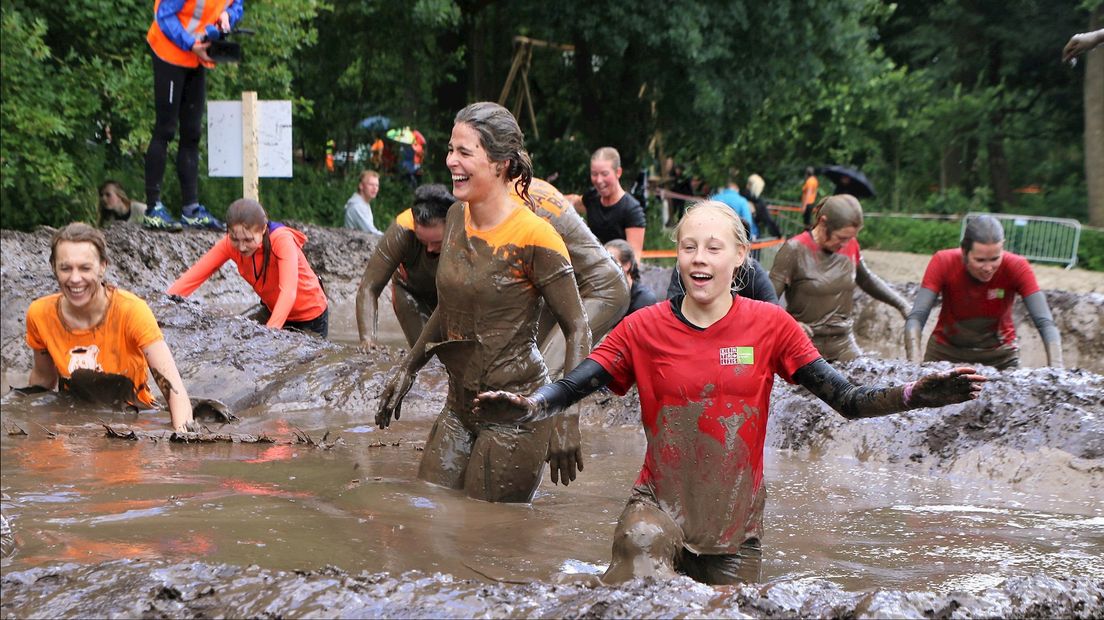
392	397
565	449
947	388
501	407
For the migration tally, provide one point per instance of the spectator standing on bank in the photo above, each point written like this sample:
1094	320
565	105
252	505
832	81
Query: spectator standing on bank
610	211
809	195
753	193
178	40
358	209
731	196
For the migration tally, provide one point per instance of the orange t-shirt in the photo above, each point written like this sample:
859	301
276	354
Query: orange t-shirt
289	289
809	191
114	346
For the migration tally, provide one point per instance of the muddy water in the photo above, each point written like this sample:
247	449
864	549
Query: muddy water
85	498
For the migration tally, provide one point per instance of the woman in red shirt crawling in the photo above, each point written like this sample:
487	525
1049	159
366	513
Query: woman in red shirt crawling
705	364
288	287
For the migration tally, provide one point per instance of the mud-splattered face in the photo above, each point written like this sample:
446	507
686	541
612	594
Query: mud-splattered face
984	259
110	199
244	239
833	241
79	271
431	235
605	178
474	175
708	255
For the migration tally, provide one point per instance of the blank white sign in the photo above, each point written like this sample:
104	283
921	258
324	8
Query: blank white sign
224	138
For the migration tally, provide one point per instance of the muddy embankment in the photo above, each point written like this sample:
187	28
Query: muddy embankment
208	591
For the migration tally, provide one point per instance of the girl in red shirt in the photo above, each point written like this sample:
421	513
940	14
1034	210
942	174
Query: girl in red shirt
279	272
705	363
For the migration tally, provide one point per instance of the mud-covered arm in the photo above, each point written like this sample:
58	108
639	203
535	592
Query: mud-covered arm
781	273
44	373
914	322
1037	307
853	402
384	261
402	379
576	385
878	289
562	296
167	377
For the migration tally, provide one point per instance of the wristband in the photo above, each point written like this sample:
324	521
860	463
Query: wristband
908	392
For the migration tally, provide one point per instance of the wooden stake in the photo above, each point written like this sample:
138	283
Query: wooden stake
251	164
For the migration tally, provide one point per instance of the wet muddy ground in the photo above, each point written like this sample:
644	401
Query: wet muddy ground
990	508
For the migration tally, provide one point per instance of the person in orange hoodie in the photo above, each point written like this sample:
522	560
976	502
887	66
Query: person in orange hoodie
279	272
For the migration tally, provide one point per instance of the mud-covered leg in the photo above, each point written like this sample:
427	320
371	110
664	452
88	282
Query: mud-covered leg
447	452
645	544
507	462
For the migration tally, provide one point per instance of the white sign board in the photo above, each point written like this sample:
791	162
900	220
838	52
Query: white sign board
224	138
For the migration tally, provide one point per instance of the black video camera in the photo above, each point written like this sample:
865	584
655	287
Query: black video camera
222	49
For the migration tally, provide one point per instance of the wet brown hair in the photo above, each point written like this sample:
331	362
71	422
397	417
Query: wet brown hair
251	215
609	154
79	232
981	229
839	211
106	213
625	256
502	139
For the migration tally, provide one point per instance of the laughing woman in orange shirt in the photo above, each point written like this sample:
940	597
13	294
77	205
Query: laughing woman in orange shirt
279	272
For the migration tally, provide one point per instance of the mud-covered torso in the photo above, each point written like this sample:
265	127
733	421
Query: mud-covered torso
413	268
595	271
974	314
819	285
489	299
704	398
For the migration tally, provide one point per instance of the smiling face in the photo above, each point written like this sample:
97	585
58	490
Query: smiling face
605	178
984	259
244	239
708	255
79	270
474	175
431	236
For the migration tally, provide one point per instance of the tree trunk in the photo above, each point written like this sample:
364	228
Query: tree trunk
1094	124
999	178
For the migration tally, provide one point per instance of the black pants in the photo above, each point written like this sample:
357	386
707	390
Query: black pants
179	96
320	325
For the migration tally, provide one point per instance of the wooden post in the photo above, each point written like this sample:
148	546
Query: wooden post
251	164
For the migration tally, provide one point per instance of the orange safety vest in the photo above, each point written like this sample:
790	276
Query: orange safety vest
195	16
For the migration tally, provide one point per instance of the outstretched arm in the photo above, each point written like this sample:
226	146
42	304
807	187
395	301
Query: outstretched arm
403	377
914	322
385	259
853	402
1037	307
878	289
204	268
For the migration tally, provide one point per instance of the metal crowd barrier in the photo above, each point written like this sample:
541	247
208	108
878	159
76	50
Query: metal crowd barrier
1038	238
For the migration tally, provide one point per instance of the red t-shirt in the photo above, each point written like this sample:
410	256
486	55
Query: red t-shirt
977	315
704	400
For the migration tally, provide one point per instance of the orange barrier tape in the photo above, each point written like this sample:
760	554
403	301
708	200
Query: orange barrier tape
785	208
758	245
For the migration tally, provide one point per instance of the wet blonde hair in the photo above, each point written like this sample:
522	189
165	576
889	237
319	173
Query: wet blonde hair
739	233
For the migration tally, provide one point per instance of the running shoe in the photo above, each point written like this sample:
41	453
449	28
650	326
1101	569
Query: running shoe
198	217
159	218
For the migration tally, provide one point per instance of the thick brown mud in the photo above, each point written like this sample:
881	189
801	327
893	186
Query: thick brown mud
989	508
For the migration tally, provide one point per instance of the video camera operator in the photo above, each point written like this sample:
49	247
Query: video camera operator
179	38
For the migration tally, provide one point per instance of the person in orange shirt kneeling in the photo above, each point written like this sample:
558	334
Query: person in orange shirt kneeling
91	329
269	256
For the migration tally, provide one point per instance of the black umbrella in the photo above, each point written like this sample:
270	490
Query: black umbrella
849	181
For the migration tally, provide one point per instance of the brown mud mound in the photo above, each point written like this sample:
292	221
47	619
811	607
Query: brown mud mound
197	590
1030	425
